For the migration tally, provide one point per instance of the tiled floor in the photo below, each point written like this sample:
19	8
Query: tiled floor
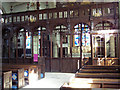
51	80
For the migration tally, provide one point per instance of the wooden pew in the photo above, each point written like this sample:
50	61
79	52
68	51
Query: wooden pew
91	83
98	75
98	71
104	76
6	79
41	63
101	67
17	77
30	71
115	86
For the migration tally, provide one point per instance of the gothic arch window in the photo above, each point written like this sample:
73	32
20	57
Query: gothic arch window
81	34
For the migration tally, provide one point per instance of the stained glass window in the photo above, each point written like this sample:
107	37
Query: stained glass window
26	73
81	30
28	40
14	76
85	35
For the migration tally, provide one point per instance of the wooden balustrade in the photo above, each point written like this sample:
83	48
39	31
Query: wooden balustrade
86	11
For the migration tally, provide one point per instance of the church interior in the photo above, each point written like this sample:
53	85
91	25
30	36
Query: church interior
81	38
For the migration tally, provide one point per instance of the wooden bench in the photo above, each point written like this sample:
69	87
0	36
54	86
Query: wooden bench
103	76
115	86
6	79
17	77
30	71
91	83
101	67
98	71
98	75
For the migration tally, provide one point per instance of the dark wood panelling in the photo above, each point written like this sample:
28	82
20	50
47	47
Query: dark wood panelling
69	65
47	65
55	65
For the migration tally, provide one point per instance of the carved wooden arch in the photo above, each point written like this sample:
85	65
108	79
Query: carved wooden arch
54	26
102	22
17	28
37	26
81	23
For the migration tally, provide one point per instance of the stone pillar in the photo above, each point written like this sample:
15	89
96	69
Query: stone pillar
112	46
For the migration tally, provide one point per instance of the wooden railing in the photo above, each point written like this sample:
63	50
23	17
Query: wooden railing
106	61
87	11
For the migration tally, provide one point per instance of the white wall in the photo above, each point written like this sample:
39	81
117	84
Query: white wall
6	7
22	6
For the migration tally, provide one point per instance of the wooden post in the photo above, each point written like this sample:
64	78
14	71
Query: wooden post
71	44
16	47
41	53
60	50
119	49
105	50
80	63
91	41
24	45
32	34
9	50
51	51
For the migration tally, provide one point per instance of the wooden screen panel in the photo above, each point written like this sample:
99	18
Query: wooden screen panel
68	65
55	65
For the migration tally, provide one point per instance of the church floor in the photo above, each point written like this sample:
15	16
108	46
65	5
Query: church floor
51	80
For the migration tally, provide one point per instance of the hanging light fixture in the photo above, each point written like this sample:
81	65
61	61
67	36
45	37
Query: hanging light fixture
27	6
11	9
